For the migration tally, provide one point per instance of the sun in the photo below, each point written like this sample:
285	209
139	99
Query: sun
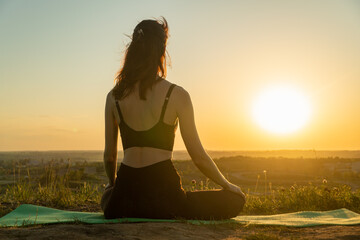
281	109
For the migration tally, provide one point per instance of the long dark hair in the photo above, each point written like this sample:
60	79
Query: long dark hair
145	59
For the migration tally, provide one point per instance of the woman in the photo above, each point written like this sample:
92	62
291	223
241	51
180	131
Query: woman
147	108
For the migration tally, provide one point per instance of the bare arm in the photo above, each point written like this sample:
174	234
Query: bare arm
111	138
192	141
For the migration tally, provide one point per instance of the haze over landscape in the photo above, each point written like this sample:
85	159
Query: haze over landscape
58	61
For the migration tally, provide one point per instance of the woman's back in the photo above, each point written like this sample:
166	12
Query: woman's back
139	117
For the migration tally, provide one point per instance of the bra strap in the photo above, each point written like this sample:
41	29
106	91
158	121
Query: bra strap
119	111
166	101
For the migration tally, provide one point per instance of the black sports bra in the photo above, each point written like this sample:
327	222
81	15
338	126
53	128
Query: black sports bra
161	135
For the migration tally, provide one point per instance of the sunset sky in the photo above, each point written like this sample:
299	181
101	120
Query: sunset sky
58	60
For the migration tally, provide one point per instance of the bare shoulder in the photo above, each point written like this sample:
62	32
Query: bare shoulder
178	93
181	94
182	101
110	99
110	95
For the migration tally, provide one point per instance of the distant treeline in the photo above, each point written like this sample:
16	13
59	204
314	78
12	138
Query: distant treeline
97	155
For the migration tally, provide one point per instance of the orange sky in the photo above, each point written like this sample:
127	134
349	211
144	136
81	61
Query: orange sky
58	61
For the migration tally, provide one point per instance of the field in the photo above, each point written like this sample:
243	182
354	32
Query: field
273	185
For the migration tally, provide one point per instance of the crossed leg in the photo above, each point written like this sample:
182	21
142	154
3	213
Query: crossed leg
213	205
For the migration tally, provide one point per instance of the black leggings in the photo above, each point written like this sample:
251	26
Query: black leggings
155	191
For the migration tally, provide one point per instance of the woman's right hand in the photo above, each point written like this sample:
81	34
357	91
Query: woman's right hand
235	189
108	186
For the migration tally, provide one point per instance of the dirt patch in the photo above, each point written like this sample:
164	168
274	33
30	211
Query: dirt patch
176	231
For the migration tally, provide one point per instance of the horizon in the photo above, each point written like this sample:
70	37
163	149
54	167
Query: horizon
211	150
182	155
262	75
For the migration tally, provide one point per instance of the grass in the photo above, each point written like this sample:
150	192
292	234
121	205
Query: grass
56	186
304	198
79	186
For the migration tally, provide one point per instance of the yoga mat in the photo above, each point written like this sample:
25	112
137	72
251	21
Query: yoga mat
28	214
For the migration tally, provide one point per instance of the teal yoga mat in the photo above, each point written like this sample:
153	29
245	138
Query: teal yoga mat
28	214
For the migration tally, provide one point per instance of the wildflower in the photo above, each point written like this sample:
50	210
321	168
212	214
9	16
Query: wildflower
292	188
201	185
324	181
193	185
